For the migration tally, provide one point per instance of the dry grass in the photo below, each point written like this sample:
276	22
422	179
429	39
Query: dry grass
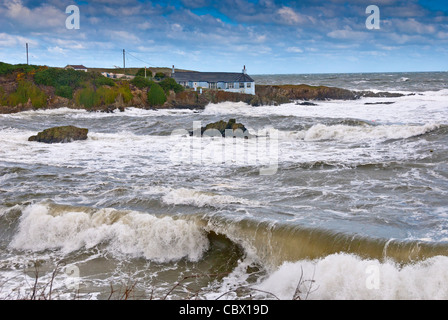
41	287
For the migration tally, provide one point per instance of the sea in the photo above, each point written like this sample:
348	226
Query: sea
331	200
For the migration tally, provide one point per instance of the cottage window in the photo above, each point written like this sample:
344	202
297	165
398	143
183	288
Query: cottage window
212	85
249	85
230	85
241	85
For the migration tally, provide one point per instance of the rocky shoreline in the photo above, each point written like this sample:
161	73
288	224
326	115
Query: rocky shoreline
189	99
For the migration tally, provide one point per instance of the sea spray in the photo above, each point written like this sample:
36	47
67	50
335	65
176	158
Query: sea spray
347	277
359	133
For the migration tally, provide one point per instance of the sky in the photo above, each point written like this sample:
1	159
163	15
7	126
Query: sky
267	36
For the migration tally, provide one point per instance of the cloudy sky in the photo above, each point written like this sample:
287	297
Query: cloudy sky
268	36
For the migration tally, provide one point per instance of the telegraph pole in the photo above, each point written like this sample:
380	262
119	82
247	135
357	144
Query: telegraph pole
124	61
27	60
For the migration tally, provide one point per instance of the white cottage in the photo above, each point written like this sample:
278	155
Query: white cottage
227	81
76	67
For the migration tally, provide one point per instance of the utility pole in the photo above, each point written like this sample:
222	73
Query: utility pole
124	62
27	60
145	72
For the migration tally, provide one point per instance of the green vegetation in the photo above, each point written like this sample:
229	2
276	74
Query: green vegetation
25	91
64	91
90	97
67	81
104	95
103	81
88	89
156	95
141	82
61	77
168	84
160	76
85	97
141	73
125	92
6	68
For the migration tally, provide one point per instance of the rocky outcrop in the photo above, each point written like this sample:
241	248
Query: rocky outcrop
188	99
237	129
269	95
285	93
62	134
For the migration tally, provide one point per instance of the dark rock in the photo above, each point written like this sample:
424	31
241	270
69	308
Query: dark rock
369	94
306	103
371	103
221	126
62	134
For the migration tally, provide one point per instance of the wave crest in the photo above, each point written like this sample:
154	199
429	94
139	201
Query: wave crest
55	227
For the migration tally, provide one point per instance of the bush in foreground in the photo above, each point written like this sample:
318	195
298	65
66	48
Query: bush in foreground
156	95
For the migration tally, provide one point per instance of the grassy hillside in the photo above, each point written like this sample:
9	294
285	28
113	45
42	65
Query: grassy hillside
42	87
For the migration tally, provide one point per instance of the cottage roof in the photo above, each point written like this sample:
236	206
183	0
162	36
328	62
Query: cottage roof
74	66
212	77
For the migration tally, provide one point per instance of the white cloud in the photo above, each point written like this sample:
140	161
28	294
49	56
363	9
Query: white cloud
294	50
57	50
442	35
413	26
7	40
123	36
45	16
347	34
176	27
144	26
289	16
69	44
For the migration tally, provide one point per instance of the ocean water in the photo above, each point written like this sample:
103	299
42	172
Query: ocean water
354	204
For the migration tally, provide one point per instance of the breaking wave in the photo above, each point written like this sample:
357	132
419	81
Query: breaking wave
55	227
362	133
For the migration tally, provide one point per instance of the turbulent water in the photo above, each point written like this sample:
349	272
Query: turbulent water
353	204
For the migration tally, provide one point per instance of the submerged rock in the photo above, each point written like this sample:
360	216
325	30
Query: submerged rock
372	103
306	103
61	134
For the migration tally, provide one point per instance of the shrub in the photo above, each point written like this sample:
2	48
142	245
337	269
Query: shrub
85	97
27	91
168	84
103	81
141	82
60	77
3	97
105	95
156	95
160	75
6	68
141	73
64	91
125	92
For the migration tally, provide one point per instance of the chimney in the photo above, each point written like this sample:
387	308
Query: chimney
244	70
172	70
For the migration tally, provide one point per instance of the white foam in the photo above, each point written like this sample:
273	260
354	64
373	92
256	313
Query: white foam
420	108
82	113
346	133
129	233
183	196
347	277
